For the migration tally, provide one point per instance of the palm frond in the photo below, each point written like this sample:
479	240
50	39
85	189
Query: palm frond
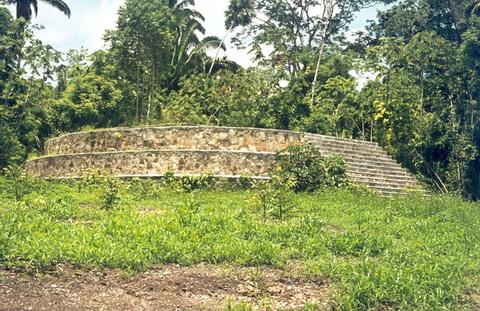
187	14
183	4
212	42
35	6
473	9
196	26
223	64
60	5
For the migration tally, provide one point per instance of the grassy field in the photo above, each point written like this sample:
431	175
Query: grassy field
408	252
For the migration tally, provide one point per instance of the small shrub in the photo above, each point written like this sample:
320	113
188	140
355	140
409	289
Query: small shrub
21	184
169	178
145	188
92	179
110	193
335	172
274	200
244	182
304	168
193	183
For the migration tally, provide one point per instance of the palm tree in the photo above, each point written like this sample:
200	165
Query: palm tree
190	52
24	7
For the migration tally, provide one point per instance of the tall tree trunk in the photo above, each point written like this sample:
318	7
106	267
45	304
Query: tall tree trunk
219	48
328	12
151	93
137	112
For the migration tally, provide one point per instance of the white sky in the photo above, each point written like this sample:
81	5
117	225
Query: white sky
90	18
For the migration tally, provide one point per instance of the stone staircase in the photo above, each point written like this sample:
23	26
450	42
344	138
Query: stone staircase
368	164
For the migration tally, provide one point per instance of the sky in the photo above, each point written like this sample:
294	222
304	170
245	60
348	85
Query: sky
90	19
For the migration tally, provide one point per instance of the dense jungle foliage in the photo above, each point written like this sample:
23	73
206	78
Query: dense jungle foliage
158	67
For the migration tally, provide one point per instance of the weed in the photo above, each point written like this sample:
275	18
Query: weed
274	200
21	185
193	183
244	182
145	188
110	192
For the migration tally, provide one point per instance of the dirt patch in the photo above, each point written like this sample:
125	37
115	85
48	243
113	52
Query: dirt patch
203	287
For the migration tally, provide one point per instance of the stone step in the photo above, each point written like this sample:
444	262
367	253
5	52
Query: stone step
363	158
387	191
341	142
351	150
359	155
382	190
317	137
153	163
378	177
382	183
173	137
375	167
388	169
343	150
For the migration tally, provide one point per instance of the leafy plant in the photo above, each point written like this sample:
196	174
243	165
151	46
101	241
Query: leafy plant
244	182
145	188
193	183
274	200
21	185
304	168
91	179
110	192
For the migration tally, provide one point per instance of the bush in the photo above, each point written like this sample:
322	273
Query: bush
192	183
145	188
304	168
110	194
274	200
21	185
244	182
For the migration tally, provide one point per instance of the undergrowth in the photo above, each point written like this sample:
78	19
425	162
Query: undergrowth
409	252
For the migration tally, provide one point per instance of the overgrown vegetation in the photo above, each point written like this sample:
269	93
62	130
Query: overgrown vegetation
411	252
303	168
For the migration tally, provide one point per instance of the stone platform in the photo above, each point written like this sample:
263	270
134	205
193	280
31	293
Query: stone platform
192	150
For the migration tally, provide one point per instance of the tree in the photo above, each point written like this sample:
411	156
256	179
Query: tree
239	13
25	89
409	17
157	43
143	45
24	7
293	29
190	52
245	98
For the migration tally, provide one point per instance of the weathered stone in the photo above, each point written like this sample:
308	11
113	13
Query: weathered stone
175	138
225	163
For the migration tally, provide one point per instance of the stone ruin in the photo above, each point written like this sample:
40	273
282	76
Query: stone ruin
193	150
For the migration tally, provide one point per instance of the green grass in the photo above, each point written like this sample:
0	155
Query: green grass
409	252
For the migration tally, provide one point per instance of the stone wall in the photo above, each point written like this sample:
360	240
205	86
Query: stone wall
174	138
154	163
